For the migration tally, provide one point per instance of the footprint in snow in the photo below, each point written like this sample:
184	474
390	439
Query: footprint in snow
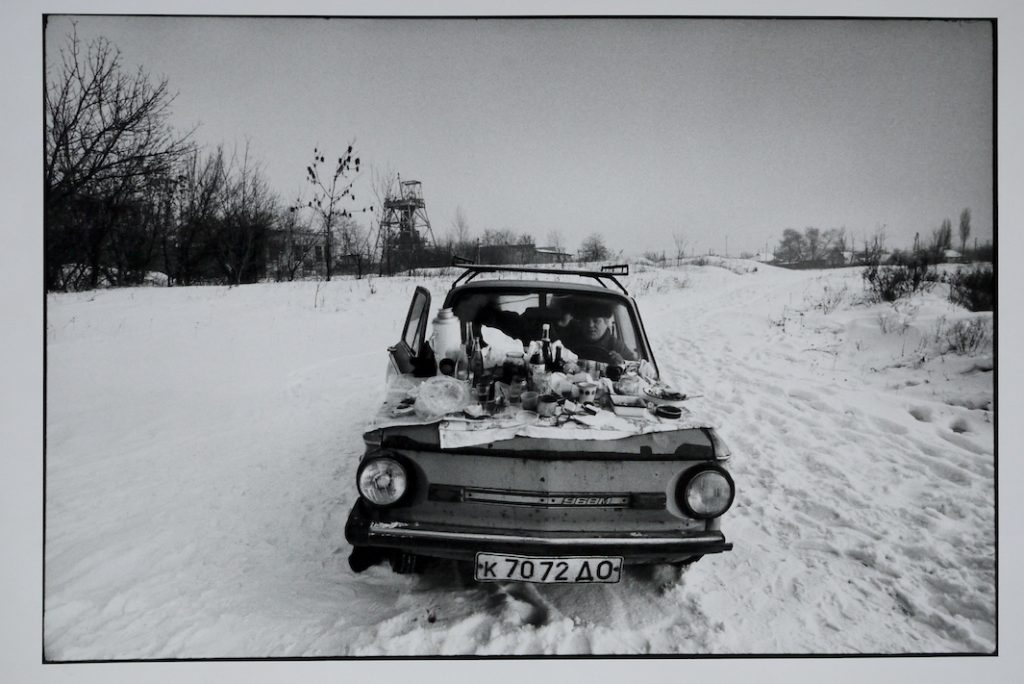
960	426
922	413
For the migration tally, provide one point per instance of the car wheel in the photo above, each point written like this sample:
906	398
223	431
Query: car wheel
407	563
362	557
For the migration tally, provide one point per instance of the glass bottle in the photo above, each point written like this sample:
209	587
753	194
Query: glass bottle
476	366
545	345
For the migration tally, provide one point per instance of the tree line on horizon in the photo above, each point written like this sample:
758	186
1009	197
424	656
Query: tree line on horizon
127	195
833	247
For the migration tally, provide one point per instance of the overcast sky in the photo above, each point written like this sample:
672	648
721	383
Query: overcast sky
637	129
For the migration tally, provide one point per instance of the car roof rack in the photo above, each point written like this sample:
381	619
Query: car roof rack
607	273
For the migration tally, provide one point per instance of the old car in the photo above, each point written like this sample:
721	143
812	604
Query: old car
534	442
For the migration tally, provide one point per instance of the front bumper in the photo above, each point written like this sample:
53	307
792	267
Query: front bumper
462	542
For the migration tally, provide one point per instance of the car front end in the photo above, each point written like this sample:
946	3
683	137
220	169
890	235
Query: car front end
654	498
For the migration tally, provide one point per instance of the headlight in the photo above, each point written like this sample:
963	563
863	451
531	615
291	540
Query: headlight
708	493
382	481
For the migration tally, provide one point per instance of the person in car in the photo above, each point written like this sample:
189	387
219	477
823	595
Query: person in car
483	311
591	335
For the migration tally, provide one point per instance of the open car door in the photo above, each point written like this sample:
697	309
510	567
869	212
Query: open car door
412	354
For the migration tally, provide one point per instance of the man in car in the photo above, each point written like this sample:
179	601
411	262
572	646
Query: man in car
591	336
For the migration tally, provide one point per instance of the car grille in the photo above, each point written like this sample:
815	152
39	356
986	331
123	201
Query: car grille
505	497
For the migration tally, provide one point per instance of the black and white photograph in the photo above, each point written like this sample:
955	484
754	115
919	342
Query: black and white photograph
493	337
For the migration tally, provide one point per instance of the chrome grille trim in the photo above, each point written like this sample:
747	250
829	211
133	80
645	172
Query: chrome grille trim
544	499
397	530
454	494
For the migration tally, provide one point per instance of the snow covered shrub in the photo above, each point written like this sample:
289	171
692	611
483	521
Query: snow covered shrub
890	283
969	336
974	289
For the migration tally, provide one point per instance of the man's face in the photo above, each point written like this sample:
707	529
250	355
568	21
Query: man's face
594	326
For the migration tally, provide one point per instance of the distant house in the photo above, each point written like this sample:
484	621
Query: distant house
551	255
505	254
527	253
952	256
295	253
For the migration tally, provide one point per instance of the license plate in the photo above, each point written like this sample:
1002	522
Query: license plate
495	567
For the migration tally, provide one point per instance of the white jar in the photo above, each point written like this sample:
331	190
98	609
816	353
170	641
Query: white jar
446	338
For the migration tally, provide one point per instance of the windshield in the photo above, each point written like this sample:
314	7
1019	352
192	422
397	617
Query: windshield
595	327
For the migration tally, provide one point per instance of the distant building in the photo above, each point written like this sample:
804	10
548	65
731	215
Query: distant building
551	255
527	253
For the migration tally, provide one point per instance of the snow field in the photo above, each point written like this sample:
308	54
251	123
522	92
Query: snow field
202	445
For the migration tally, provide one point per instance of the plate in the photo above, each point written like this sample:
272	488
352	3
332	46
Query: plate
496	567
664	394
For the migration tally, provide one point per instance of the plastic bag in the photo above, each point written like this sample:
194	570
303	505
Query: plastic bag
440	395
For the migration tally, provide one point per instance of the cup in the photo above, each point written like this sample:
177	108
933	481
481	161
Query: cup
515	390
483	392
530	400
547	405
588	391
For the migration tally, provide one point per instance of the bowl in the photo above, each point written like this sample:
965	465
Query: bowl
667	411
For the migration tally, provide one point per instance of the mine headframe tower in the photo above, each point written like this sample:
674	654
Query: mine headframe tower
404	233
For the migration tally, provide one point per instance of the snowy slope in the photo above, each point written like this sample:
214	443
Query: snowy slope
202	444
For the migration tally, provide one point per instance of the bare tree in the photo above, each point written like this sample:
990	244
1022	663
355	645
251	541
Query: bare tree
593	248
942	238
329	191
792	247
296	242
352	241
503	236
834	245
198	196
965	229
499	246
249	211
812	238
681	244
874	247
460	228
106	142
557	242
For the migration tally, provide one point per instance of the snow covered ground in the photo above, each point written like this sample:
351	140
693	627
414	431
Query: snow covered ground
202	444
